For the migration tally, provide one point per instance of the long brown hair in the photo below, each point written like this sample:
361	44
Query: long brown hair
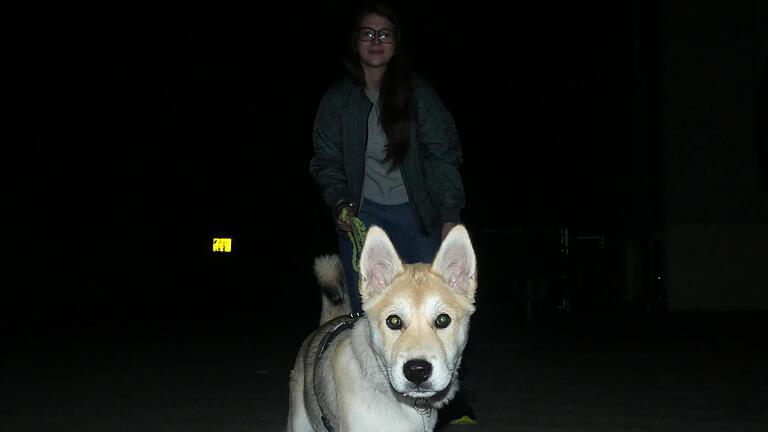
395	91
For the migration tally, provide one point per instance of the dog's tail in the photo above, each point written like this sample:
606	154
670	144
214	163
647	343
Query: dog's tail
330	276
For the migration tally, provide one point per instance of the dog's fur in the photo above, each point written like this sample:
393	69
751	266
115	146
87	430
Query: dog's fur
361	381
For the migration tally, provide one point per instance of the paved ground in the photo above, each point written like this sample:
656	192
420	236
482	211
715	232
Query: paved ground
664	373
175	353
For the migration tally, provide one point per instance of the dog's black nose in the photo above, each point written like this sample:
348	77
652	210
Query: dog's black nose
417	371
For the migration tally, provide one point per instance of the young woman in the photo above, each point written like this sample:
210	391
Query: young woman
386	148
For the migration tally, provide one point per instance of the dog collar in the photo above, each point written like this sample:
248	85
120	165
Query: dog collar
423	407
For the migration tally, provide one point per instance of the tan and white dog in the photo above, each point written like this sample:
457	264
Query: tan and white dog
391	368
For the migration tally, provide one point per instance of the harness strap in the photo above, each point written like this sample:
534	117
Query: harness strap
346	322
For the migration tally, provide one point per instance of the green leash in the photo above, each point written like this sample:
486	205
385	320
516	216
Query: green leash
356	236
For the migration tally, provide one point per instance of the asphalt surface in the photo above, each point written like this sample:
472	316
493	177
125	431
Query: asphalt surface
146	358
665	373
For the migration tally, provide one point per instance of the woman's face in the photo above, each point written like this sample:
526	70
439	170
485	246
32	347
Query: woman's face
376	41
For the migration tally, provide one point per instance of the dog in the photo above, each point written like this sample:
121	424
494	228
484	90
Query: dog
392	367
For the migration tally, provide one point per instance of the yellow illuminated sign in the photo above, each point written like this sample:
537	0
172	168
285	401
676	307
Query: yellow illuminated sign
222	244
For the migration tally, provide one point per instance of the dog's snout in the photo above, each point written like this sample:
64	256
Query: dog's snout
417	371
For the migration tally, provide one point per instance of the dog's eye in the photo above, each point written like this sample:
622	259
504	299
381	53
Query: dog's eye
394	322
442	320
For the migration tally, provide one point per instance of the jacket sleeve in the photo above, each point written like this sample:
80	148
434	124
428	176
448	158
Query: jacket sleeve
327	165
440	152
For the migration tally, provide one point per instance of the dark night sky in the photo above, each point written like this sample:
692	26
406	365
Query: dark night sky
148	129
193	104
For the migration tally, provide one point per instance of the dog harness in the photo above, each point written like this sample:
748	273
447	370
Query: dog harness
345	322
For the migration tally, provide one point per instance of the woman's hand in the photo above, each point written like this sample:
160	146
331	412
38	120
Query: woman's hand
344	212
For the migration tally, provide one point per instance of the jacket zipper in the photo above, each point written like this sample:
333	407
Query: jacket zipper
410	196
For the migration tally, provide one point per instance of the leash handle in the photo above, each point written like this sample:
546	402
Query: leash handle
356	236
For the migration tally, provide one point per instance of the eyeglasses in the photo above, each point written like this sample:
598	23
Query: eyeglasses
384	36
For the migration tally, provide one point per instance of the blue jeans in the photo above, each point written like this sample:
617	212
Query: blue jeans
402	227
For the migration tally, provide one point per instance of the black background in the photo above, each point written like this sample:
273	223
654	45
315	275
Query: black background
145	130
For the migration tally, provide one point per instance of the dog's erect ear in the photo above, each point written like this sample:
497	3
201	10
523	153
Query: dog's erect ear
379	263
456	263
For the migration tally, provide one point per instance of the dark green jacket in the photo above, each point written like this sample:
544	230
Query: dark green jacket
430	169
